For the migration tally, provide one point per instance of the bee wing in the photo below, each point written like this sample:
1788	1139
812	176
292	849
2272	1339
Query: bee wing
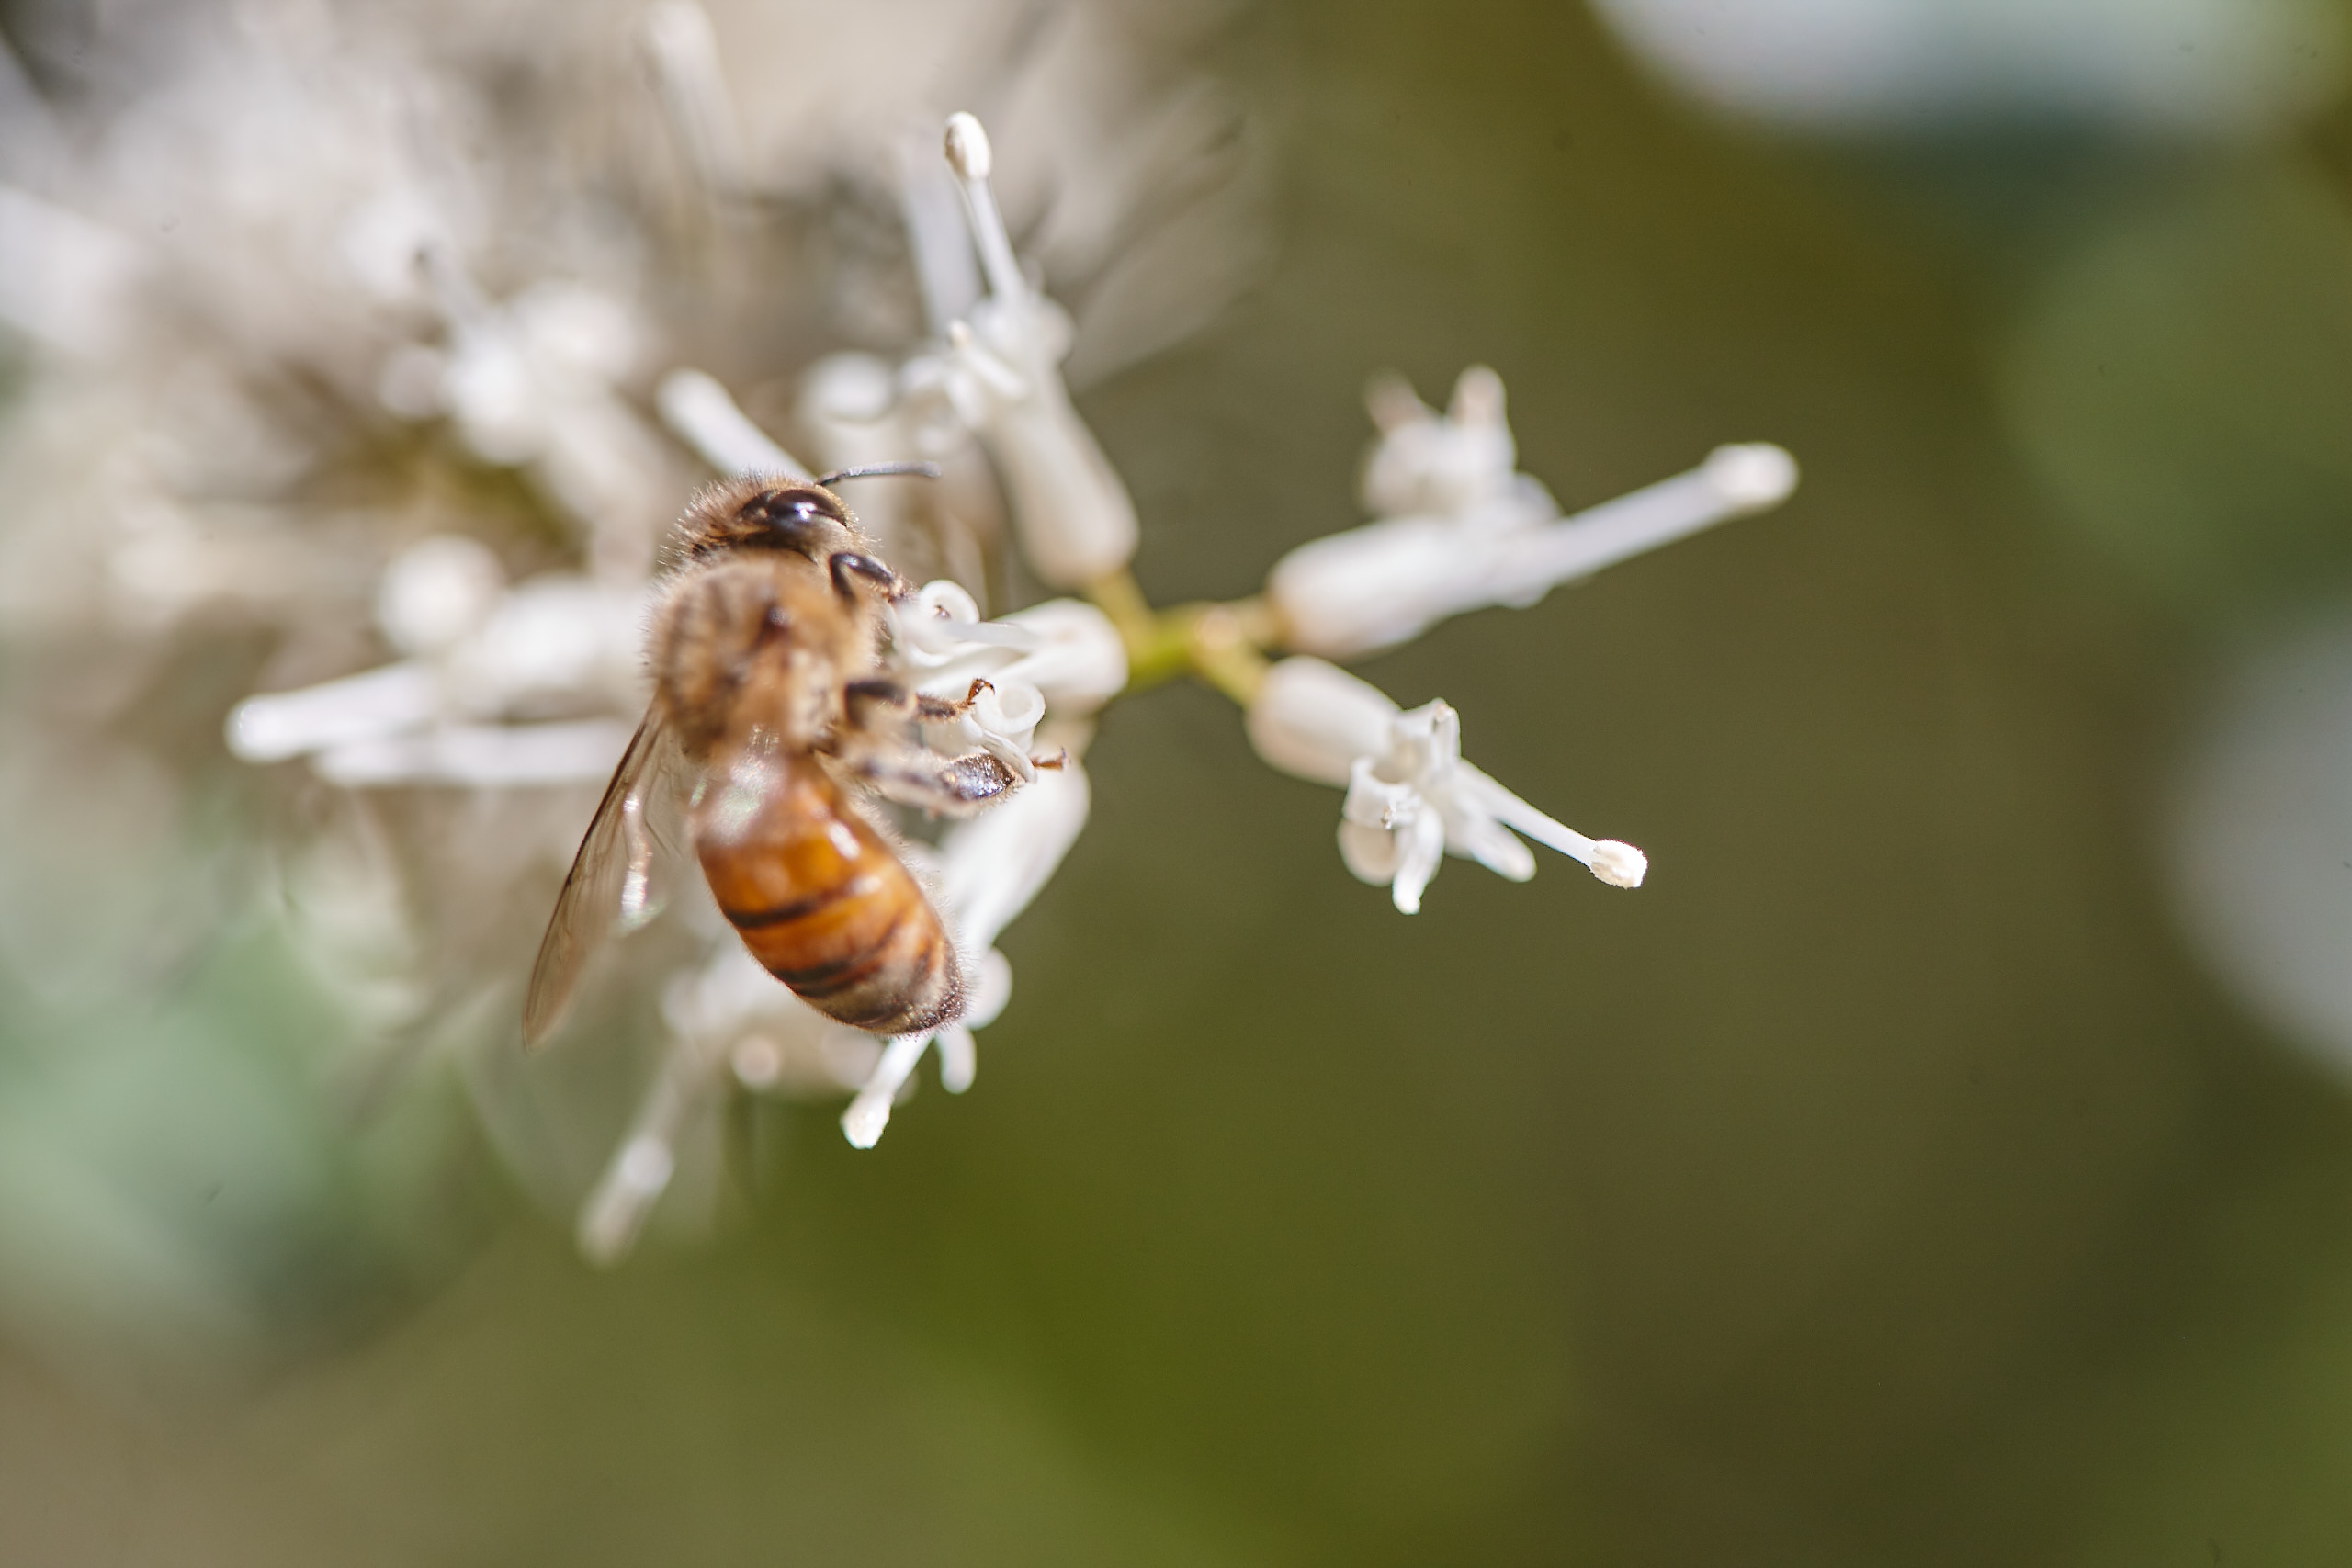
608	887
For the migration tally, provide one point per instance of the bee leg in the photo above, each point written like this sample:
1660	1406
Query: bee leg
942	708
863	701
866	700
912	776
842	565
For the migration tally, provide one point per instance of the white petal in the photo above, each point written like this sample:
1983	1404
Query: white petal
575	332
731	994
556	636
1438	465
1313	721
1010	706
959	1058
1373	802
869	1113
1474	836
1078	663
989	988
279	725
484	756
1371	854
1422	842
1425	745
700	413
498	403
1075	519
996	862
1376	586
940	621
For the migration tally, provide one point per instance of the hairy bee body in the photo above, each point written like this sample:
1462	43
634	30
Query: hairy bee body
765	651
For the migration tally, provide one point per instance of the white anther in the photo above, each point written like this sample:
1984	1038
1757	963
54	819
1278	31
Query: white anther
1752	477
968	147
1619	866
970	156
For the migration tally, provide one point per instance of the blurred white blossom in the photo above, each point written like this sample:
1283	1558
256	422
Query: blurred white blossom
432	321
2255	840
2167	66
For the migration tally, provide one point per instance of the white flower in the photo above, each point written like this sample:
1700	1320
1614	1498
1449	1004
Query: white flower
1066	649
700	413
476	653
991	868
64	280
532	384
1431	464
1411	798
728	1018
683	48
1473	534
1000	373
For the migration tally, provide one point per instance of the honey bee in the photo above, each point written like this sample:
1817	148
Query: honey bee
768	711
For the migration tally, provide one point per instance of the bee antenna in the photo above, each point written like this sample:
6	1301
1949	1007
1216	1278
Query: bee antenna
876	470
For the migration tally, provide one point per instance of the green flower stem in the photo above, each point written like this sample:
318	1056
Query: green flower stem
1223	644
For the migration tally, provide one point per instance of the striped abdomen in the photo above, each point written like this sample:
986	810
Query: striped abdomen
819	899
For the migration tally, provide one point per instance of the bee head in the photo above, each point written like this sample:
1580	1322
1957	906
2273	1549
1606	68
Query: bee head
772	513
805	518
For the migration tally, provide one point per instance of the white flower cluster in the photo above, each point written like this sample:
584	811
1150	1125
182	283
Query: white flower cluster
1459	529
505	635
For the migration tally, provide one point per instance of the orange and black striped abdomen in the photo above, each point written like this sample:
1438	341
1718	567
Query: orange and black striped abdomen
820	900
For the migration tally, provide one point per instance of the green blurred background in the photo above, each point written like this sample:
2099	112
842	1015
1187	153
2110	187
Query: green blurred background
1883	1182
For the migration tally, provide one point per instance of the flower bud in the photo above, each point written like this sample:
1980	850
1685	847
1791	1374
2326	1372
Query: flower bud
1313	721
